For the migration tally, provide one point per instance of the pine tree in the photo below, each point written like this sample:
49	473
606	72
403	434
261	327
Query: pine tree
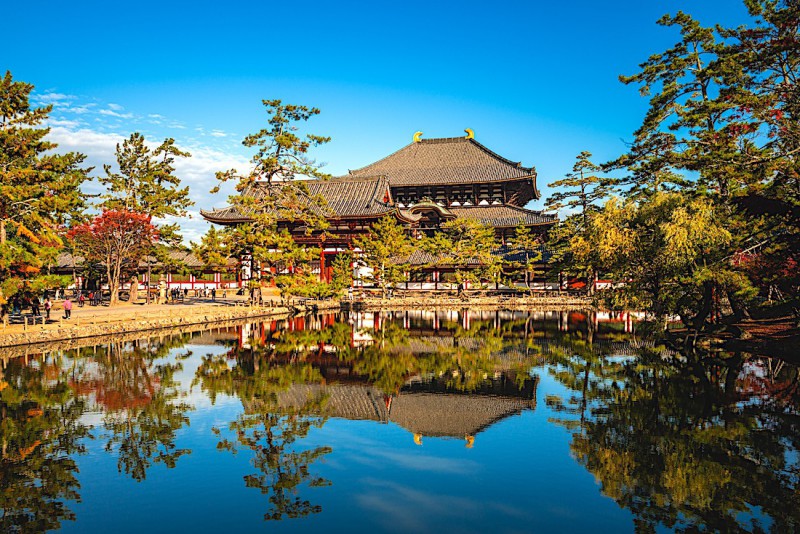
385	250
39	189
146	183
579	193
270	195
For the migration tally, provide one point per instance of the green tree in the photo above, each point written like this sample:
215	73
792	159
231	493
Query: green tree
580	193
269	428
385	249
39	189
470	247
41	433
270	197
146	183
666	249
212	249
766	92
142	410
665	438
527	247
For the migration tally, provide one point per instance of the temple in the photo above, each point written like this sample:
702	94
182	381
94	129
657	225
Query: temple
424	184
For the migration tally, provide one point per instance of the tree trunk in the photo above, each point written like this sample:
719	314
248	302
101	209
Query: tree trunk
740	311
134	293
149	274
3	236
705	307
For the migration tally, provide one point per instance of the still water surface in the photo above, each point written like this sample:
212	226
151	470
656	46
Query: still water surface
400	422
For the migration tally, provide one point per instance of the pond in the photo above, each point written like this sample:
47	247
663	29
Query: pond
405	421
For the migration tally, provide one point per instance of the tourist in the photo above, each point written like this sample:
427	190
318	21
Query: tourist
67	308
213	293
81	300
47	306
35	306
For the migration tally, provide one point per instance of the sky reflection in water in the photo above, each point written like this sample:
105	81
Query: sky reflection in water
405	421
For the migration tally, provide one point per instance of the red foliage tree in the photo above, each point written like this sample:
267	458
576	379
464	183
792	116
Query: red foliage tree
118	239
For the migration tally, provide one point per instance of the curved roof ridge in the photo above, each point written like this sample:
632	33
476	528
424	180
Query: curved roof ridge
494	154
351	171
350	178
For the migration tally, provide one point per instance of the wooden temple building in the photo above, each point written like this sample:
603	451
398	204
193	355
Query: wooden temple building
424	184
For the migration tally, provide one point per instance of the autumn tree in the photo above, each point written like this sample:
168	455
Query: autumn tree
385	250
666	249
118	239
39	188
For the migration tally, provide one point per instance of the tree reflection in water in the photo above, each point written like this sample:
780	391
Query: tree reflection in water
697	442
267	427
702	441
142	410
41	433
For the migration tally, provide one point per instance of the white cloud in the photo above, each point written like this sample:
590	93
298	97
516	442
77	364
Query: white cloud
198	172
64	123
57	99
115	107
218	133
112	113
84	108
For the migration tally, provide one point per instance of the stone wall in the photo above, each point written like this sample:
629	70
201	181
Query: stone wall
141	321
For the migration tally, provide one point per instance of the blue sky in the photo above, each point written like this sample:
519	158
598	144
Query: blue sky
536	81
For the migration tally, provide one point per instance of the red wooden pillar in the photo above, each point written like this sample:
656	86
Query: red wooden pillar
322	265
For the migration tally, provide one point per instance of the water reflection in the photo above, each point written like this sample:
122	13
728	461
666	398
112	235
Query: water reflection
701	441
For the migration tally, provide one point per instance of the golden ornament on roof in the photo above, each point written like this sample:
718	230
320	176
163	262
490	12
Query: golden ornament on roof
470	133
417	137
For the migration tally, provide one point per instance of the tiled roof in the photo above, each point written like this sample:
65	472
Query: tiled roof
67	261
506	252
453	160
503	216
345	197
430	414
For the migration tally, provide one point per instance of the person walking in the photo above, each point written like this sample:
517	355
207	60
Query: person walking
67	308
213	293
81	300
47	306
35	306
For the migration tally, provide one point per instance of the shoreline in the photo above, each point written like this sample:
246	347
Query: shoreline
135	320
132	324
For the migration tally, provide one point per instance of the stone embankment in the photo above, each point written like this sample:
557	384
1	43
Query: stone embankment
137	320
559	302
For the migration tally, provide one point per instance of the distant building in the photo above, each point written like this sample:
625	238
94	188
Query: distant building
191	274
